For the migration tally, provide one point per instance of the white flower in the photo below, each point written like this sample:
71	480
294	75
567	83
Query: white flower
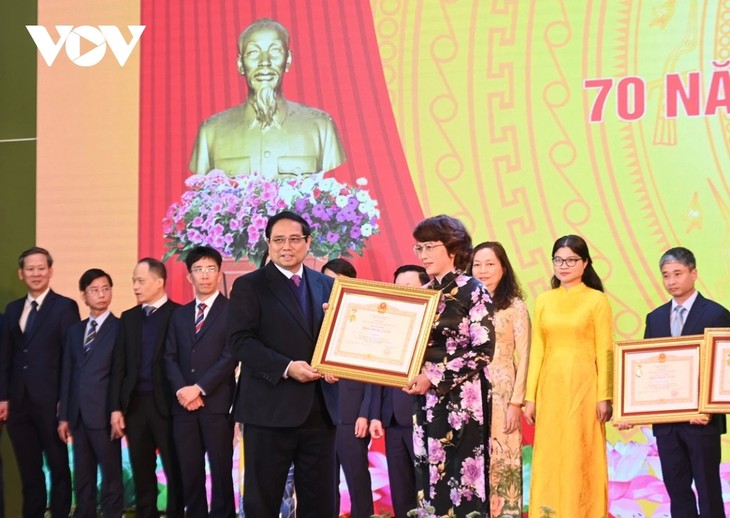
361	181
287	193
363	196
327	184
341	201
367	230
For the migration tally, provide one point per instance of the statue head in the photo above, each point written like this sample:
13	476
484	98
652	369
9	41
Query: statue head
263	58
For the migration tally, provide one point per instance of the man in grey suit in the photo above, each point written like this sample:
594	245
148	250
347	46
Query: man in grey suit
288	409
83	409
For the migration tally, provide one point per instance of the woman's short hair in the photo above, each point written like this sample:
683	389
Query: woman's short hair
451	232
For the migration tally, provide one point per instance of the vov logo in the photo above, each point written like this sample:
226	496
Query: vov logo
70	37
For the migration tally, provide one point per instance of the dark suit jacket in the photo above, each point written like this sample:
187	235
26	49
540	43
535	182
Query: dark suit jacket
704	313
32	364
204	359
125	368
386	402
354	401
88	374
267	331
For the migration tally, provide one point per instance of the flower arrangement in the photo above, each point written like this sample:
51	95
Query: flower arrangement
230	214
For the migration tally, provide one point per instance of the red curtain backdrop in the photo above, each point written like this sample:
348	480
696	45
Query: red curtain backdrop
189	72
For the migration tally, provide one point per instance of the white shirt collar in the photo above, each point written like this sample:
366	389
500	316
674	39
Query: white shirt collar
39	299
208	302
687	304
289	274
156	304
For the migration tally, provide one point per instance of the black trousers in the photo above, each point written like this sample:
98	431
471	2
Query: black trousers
147	431
33	430
269	451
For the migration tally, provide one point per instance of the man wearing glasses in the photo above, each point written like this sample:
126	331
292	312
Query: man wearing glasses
288	409
83	411
200	370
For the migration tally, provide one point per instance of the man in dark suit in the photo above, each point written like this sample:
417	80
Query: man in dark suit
84	407
688	451
391	414
32	345
139	394
353	439
288	408
201	369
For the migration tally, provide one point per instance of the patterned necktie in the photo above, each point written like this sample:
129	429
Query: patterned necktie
148	310
90	337
678	320
31	317
200	317
296	279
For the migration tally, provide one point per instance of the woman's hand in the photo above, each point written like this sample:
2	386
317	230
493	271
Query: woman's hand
604	411
530	412
513	419
418	385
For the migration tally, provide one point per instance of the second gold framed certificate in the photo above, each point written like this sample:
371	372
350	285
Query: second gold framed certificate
715	396
375	332
658	380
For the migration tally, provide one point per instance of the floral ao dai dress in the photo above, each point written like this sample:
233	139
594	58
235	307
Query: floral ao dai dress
452	419
508	375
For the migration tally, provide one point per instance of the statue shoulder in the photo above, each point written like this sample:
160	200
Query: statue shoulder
230	116
302	111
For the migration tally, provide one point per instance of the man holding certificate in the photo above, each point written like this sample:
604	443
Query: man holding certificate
288	409
688	451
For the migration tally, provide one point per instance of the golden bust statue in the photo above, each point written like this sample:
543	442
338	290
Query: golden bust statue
267	133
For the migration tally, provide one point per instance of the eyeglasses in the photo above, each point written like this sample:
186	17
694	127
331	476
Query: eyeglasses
569	261
293	240
98	291
428	248
203	269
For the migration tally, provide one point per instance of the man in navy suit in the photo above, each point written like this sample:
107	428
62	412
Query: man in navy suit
83	409
288	409
391	409
688	451
32	344
201	369
139	393
353	438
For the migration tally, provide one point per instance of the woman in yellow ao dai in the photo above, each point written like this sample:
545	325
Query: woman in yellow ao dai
569	387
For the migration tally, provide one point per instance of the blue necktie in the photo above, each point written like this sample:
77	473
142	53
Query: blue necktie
90	337
148	310
31	317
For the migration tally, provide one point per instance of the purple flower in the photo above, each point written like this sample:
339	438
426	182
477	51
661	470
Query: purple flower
319	212
436	452
332	237
479	334
472	475
300	204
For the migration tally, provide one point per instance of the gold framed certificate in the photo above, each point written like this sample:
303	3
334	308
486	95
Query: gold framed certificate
715	396
375	332
658	380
